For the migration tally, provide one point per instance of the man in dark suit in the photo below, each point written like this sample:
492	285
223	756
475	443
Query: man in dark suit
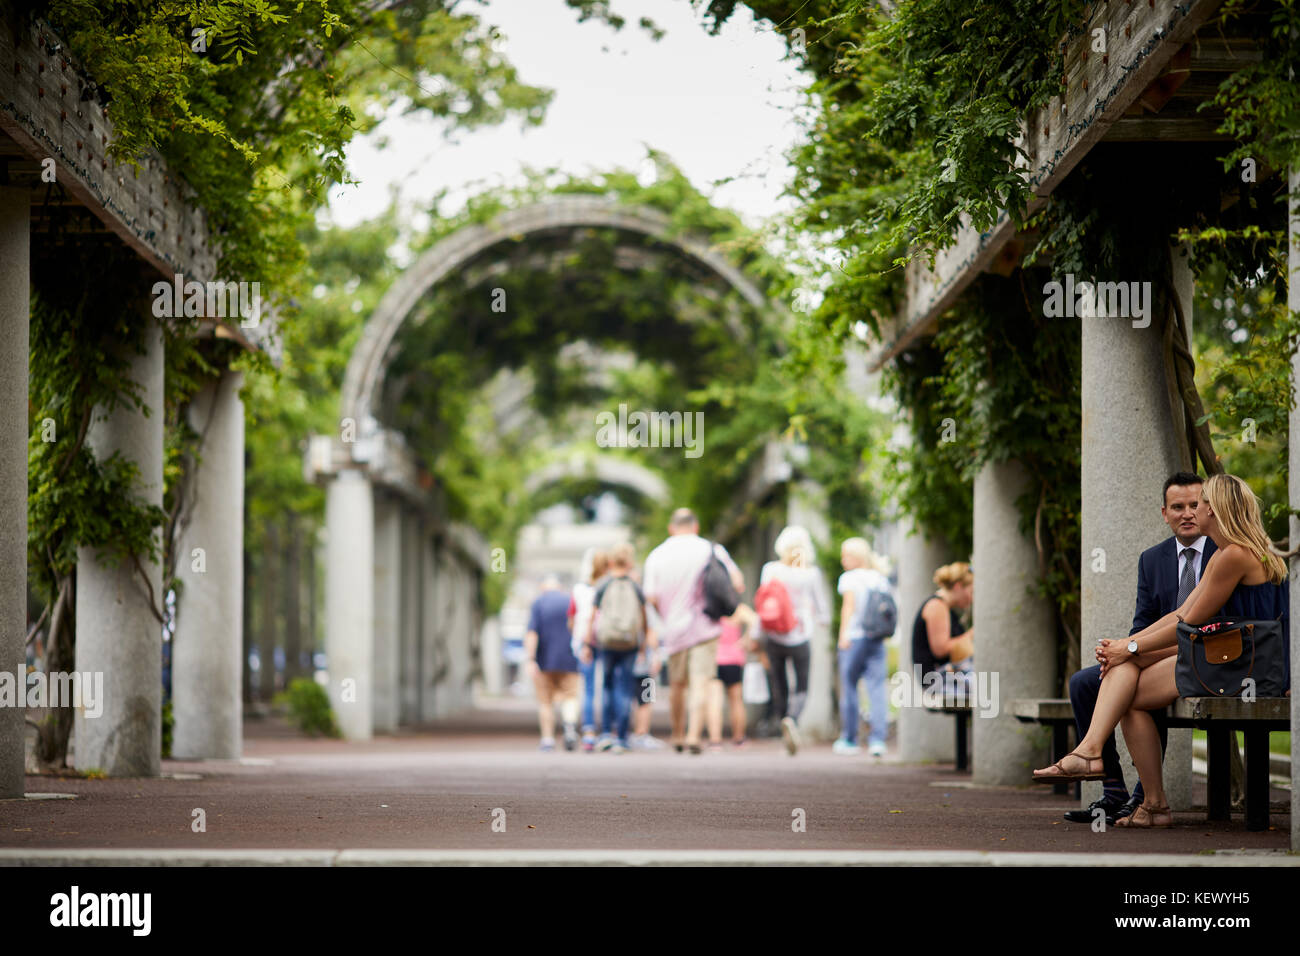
1166	575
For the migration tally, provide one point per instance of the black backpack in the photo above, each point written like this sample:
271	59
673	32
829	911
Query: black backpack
720	597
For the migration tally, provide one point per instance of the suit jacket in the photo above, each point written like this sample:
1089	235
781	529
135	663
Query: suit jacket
1158	581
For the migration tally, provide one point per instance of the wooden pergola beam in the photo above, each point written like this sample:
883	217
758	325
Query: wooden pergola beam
1141	41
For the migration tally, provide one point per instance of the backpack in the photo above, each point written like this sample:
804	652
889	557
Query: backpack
775	609
879	614
618	626
720	597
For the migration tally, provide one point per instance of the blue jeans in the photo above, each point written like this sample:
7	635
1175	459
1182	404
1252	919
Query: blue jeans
618	691
864	658
588	694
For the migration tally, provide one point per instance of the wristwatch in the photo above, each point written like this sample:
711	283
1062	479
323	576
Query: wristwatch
1133	647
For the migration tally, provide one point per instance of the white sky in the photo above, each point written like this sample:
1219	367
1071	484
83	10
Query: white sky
717	106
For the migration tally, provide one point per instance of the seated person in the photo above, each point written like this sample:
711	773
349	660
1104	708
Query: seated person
1243	579
938	641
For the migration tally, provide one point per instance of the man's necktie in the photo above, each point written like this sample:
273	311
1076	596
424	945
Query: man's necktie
1187	581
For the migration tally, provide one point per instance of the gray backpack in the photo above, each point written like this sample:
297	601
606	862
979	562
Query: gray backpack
618	625
879	614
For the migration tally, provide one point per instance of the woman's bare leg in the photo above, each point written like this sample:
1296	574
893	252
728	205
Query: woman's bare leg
1113	701
715	711
1156	688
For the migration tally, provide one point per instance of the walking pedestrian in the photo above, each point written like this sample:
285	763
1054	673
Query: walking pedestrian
868	617
737	638
689	636
548	648
618	634
791	601
592	572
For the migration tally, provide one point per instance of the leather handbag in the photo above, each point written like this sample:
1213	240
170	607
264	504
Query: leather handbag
1220	658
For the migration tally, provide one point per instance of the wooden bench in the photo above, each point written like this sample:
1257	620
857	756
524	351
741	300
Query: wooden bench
961	711
1057	714
1219	717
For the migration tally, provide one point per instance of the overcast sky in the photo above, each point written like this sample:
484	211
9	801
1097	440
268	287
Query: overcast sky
718	106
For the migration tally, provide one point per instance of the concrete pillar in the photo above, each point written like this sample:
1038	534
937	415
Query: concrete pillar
208	644
431	624
1128	451
119	633
388	609
490	650
349	601
922	736
1015	631
15	303
819	720
1293	480
412	601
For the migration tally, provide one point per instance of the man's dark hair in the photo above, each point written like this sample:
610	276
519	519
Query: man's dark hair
1180	479
682	518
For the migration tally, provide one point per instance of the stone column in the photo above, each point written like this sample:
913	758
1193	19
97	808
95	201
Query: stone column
819	720
15	302
1128	451
119	633
1293	480
412	600
208	644
349	601
490	650
922	736
1015	631
388	608
431	623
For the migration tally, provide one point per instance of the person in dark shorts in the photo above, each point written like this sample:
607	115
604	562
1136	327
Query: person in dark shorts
734	643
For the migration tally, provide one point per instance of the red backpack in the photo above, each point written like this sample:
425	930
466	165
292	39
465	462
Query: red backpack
775	609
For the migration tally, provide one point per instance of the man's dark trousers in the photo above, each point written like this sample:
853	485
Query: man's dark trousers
1085	685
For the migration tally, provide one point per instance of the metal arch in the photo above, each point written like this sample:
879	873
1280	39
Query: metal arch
604	468
367	363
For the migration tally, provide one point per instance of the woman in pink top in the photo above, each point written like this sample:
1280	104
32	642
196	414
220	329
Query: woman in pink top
734	643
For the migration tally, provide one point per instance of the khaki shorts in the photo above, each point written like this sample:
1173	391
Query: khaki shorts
695	664
551	684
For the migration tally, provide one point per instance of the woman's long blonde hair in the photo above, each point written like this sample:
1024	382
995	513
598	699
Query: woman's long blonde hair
1236	509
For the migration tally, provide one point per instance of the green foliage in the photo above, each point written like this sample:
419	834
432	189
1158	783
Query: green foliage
308	708
168	728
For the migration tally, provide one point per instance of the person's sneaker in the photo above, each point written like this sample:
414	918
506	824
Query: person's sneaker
1114	810
645	742
845	747
695	749
742	742
604	743
877	749
570	738
618	748
547	745
790	734
715	746
588	742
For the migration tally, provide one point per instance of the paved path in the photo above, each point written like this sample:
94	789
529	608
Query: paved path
438	790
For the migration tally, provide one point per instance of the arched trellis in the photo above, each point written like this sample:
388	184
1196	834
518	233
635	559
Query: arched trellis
392	562
366	367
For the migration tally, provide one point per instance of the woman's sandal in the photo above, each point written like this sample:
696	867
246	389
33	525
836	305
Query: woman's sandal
1057	773
1152	817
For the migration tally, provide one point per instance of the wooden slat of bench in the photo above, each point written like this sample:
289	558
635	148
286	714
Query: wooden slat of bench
1273	709
1045	710
951	709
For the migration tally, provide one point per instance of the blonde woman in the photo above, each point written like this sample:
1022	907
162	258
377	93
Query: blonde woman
805	587
861	654
938	639
1243	579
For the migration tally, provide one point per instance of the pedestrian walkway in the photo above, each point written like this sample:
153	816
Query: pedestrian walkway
433	796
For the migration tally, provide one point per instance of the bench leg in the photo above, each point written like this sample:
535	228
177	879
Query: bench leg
963	759
1219	773
1256	778
1060	743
